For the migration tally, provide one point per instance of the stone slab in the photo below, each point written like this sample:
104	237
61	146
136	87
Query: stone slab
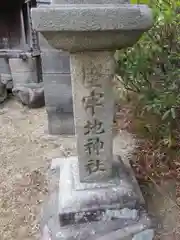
92	27
23	71
58	91
60	123
58	100
131	222
97	41
19	79
54	61
90	1
91	17
118	192
18	65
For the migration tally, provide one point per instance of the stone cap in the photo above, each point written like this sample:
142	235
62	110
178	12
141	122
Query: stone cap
90	1
92	17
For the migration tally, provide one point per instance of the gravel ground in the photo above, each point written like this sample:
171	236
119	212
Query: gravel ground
25	153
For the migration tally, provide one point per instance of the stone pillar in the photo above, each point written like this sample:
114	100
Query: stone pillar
92	74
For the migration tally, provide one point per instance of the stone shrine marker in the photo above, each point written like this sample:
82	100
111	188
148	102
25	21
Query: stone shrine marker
92	75
97	198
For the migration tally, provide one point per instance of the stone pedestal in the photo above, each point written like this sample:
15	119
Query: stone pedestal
94	211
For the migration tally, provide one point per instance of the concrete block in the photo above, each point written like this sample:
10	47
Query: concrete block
55	62
58	100
21	78
20	66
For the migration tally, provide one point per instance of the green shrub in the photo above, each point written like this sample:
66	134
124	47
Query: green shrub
151	68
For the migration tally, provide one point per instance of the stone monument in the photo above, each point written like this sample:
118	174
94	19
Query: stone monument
96	197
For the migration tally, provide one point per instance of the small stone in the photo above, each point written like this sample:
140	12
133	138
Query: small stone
31	95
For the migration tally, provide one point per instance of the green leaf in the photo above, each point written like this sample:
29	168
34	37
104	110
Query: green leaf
139	2
173	113
166	114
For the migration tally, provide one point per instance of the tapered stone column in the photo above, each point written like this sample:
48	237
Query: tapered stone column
97	197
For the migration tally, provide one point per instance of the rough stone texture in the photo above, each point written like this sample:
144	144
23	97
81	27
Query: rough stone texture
92	17
89	1
83	42
58	92
128	219
75	196
108	27
31	94
92	73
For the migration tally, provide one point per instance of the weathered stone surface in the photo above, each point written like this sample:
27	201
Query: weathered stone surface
92	74
118	192
90	1
118	221
110	27
58	92
108	17
31	94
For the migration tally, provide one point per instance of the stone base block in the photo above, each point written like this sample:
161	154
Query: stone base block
59	123
94	211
